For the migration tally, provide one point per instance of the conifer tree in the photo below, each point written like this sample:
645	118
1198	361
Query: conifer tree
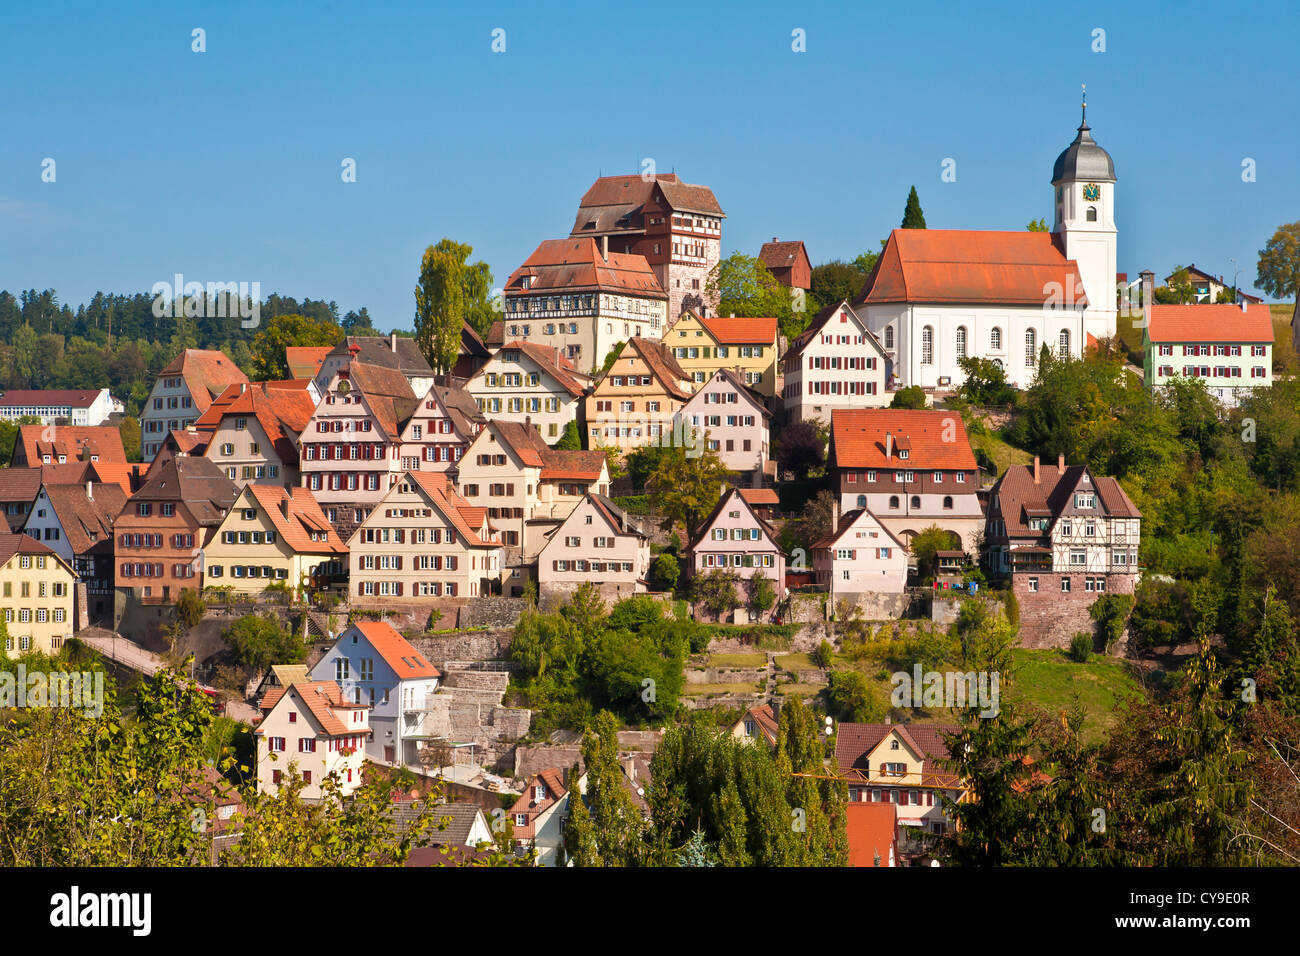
913	218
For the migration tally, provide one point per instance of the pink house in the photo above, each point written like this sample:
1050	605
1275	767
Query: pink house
735	537
597	542
860	556
732	420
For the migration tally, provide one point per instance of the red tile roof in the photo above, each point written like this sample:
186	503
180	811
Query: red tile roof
304	361
873	833
617	203
84	513
321	699
75	442
967	266
936	439
742	331
296	515
282	409
396	651
129	476
1210	323
207	372
659	358
576	265
553	363
760	496
854	743
15	543
72	397
468	521
782	254
1017	495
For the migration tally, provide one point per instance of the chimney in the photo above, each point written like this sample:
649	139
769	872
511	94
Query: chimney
1244	304
774	239
604	248
889	445
392	341
1060	462
90	490
1036	469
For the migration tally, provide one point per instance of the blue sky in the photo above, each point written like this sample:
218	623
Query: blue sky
225	165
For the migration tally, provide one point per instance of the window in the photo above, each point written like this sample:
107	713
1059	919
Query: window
893	501
1092	213
927	345
995	339
1065	342
961	342
1031	347
1065	585
889	336
1033	585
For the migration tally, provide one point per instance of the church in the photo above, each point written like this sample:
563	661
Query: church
937	296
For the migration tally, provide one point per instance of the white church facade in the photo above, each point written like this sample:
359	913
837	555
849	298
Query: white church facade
936	296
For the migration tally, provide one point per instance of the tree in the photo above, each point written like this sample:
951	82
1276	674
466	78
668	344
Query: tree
716	591
571	440
665	572
853	698
838	281
762	594
742	285
985	383
1110	613
1037	225
1278	270
130	429
913	396
925	547
259	641
269	361
801	448
610	358
684	489
612	830
913	218
818	515
451	291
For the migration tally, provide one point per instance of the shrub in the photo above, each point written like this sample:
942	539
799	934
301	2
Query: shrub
1110	612
762	593
1080	647
665	572
913	396
852	698
824	655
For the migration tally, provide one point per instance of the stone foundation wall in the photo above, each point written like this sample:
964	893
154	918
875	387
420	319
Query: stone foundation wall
1050	617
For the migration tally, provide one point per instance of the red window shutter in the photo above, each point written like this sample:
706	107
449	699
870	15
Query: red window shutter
399	583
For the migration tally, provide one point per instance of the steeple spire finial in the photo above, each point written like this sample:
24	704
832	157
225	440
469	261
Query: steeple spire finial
1083	123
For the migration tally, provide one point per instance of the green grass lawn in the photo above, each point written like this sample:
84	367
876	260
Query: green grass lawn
1049	680
803	690
737	660
1002	454
794	662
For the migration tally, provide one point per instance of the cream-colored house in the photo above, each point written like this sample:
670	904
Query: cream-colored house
635	401
530	383
598	543
906	765
273	534
746	346
423	541
36	594
310	728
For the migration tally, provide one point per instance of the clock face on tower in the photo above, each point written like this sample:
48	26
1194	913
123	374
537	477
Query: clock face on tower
1091	192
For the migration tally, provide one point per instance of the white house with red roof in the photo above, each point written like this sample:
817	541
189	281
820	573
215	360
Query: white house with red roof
1229	347
731	419
911	468
597	542
374	665
837	362
530	383
310	728
537	818
579	298
859	557
936	296
183	392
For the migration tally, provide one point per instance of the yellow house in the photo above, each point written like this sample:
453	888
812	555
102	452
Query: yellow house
309	727
36	592
272	534
747	346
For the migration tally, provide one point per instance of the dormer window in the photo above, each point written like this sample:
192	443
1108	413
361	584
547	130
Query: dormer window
902	453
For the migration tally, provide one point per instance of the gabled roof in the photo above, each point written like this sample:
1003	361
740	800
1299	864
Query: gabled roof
760	496
571	265
855	742
20	484
57	397
16	543
782	255
399	352
754	330
304	361
465	518
616	516
200	484
283	412
296	516
207	372
320	698
847	522
734	493
396	650
739	384
551	362
872	832
127	475
1210	323
466	417
83	513
765	721
819	322
524	439
936	439
659	359
74	442
573	464
387	393
1019	498
959	266
617	203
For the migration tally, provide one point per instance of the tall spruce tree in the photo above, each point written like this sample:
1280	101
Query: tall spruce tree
913	218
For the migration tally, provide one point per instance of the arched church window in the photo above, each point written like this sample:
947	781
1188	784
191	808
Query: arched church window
916	501
1031	347
927	345
1065	342
961	341
995	338
889	336
1092	213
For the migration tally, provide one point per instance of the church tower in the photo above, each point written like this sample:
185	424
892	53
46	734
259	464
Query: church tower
1084	227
